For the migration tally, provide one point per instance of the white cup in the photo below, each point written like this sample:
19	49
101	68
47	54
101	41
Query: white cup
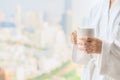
85	32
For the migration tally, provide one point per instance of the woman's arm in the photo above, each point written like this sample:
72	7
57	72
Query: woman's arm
78	56
93	20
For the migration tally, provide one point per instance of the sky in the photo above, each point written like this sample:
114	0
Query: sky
54	8
50	6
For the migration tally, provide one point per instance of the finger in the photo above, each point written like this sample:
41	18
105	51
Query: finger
73	36
81	43
74	41
74	33
86	38
86	44
91	45
94	49
89	51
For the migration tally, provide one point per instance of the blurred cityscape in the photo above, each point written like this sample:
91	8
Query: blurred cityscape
33	46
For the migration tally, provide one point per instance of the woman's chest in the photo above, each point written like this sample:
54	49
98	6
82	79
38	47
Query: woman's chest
108	30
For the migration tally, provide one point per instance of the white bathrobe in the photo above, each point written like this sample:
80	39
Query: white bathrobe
104	66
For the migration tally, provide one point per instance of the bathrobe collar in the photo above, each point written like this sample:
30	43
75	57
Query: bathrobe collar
113	12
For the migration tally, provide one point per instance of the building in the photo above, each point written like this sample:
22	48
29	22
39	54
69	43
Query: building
68	20
33	22
68	5
18	19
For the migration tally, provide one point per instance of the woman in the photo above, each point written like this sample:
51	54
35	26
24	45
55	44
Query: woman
105	64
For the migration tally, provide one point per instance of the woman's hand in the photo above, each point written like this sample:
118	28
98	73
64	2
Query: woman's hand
74	37
90	45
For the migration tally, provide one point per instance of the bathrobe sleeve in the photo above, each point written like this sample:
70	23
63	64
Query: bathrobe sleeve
110	56
80	57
